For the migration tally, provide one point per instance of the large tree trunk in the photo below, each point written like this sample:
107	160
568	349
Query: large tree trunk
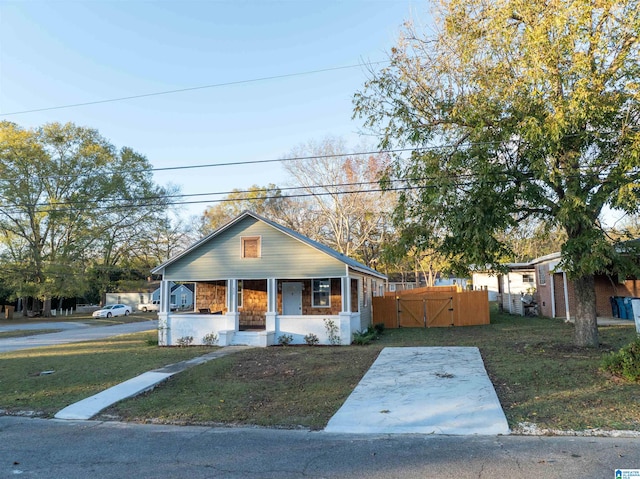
586	326
46	308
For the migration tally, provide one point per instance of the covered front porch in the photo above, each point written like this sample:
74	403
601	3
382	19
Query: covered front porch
258	312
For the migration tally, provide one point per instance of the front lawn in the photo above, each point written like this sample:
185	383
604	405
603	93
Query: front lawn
540	377
46	380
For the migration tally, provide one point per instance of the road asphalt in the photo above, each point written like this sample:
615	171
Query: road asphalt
36	448
74	332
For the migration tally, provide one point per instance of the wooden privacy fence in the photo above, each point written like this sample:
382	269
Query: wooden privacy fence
432	308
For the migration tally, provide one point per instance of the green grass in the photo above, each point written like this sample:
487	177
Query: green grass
80	370
540	377
279	386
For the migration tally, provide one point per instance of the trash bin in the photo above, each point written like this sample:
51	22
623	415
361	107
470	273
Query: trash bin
8	312
635	305
628	308
615	312
621	307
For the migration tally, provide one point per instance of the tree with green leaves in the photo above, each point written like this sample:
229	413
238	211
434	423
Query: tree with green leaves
66	195
516	110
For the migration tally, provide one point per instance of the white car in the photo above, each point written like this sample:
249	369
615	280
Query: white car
112	310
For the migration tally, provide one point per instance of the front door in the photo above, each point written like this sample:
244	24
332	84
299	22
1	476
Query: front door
291	299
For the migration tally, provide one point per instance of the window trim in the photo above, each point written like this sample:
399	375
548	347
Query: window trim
240	295
243	239
314	291
528	278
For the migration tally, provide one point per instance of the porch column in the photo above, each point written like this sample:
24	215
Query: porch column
346	294
232	295
233	317
165	295
272	295
272	305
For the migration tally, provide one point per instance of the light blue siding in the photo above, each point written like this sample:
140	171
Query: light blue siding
281	257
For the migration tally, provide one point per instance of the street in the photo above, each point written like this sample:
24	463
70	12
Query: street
74	332
36	448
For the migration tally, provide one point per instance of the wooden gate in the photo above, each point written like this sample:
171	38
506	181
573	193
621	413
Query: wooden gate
425	312
432	309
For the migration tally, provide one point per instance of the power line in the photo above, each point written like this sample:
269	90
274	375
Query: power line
182	90
282	160
287	159
152	201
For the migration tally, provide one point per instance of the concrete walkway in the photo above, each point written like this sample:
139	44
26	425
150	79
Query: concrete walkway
423	390
87	408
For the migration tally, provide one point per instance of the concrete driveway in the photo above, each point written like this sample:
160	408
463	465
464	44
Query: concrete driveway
423	390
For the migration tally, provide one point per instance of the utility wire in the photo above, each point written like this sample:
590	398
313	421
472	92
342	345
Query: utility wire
289	159
153	200
182	90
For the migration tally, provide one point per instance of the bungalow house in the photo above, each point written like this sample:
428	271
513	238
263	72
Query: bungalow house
256	281
556	294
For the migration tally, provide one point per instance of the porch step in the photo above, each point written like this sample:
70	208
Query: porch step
253	338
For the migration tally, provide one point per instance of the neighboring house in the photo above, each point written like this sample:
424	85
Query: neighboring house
556	294
508	289
256	281
393	286
130	299
181	295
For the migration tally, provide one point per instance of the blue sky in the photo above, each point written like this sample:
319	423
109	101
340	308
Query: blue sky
58	52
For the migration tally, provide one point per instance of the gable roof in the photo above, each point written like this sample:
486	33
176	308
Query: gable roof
350	262
188	286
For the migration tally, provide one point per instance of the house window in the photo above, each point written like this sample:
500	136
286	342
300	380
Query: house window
250	246
141	299
321	293
239	293
528	278
542	278
183	299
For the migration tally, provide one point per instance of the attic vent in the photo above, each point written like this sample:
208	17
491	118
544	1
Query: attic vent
250	246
